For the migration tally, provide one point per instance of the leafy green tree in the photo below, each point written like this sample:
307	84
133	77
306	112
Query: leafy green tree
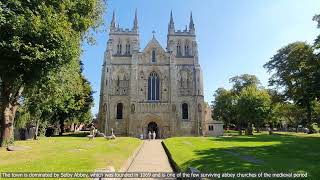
294	68
245	104
61	96
222	106
37	37
242	81
317	40
253	107
239	83
317	52
287	113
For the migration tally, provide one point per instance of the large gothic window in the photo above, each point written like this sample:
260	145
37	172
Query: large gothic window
119	111
184	111
153	87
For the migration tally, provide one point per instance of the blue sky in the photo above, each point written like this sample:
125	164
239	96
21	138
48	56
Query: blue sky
234	36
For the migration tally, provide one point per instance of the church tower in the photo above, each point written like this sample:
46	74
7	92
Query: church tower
119	59
182	45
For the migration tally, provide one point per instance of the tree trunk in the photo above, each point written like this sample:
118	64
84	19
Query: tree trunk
239	129
271	129
36	131
6	126
309	112
309	117
72	127
258	129
61	127
9	107
249	129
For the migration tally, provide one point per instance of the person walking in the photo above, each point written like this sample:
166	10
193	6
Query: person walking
149	135
154	135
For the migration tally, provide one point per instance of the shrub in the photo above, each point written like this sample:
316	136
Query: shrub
314	128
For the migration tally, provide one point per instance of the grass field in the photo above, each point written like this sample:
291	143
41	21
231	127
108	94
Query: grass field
73	154
287	152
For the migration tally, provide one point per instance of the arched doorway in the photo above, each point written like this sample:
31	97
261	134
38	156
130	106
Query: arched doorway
153	127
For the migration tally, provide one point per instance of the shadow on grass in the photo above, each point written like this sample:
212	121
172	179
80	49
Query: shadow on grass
292	154
287	138
74	134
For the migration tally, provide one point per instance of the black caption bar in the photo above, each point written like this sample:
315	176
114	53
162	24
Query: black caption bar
150	175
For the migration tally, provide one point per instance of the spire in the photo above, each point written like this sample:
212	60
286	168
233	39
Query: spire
113	22
171	24
135	22
191	24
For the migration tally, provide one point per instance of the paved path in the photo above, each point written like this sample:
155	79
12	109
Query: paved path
150	158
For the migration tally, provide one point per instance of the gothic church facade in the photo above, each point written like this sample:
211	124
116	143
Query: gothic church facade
153	89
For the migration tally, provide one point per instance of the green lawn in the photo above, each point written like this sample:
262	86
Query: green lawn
54	154
276	153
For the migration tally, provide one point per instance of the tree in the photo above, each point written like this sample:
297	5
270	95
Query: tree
317	52
253	107
245	104
37	37
239	83
222	106
294	68
287	113
61	96
242	81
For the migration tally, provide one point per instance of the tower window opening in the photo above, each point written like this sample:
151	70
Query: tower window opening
184	111
187	50
119	48
179	49
127	48
119	111
153	56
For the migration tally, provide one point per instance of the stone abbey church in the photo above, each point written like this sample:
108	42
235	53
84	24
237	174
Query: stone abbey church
154	88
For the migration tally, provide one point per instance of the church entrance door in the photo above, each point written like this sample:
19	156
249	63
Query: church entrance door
152	126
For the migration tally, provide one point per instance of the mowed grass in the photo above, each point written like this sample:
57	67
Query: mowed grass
68	154
259	153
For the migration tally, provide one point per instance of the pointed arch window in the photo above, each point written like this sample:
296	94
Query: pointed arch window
128	48
179	49
153	56
153	87
119	48
184	111
187	50
119	111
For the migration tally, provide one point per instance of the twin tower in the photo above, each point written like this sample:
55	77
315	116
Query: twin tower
173	34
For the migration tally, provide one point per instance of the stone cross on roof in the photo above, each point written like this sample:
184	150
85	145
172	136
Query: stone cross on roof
153	32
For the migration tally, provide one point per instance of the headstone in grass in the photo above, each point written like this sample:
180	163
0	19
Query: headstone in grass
76	150
188	143
247	158
18	148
